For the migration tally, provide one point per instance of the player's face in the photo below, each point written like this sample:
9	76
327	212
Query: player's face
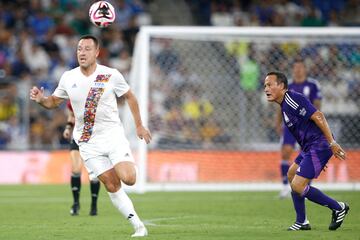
273	90
87	53
299	72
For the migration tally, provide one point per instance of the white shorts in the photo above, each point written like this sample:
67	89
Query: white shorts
92	176
98	158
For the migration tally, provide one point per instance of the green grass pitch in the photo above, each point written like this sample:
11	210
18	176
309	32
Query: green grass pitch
42	212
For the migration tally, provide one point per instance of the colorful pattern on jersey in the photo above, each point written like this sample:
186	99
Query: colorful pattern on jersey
91	104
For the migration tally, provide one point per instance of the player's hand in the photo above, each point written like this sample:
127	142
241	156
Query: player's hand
36	94
338	151
143	133
67	133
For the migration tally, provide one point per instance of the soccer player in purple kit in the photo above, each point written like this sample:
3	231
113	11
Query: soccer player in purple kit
310	89
311	130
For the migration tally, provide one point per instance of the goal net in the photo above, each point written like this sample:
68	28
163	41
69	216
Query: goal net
200	91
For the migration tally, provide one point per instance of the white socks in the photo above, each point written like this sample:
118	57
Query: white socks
123	203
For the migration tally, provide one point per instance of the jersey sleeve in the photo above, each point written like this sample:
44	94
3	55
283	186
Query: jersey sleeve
120	85
305	109
60	90
316	92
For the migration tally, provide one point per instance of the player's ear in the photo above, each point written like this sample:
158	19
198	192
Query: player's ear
282	85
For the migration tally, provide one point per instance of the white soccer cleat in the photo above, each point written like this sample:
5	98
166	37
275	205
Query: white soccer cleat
141	231
285	192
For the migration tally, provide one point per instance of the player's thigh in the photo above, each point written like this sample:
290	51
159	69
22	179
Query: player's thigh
110	180
123	161
76	161
292	171
299	183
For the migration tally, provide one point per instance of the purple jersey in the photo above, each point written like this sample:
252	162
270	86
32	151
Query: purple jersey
309	88
297	110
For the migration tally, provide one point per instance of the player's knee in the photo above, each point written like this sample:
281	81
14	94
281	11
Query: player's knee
129	178
75	173
290	175
296	188
285	155
112	186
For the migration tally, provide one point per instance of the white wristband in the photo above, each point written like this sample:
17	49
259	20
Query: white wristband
332	143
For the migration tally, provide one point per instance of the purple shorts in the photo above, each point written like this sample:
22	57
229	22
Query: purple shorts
288	138
312	162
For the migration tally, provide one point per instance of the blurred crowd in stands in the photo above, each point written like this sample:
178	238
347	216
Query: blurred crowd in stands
276	12
38	40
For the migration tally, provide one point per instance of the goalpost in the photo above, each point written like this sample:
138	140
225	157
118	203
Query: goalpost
200	93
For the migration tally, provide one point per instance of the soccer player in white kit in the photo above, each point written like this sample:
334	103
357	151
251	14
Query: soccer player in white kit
92	89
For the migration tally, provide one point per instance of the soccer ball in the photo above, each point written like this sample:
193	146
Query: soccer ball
102	14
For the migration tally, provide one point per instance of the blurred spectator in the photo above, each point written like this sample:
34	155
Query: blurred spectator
40	23
313	18
80	23
196	107
19	68
35	56
8	106
350	13
122	62
250	73
167	59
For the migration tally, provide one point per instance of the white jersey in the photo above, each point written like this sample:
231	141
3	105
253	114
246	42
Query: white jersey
93	100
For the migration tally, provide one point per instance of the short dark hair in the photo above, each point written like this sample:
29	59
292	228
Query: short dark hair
280	78
298	60
96	41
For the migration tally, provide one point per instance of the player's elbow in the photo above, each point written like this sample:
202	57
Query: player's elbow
318	116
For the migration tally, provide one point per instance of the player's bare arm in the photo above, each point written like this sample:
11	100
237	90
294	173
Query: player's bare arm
49	102
320	120
69	126
278	121
141	131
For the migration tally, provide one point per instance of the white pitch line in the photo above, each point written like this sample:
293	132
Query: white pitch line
150	222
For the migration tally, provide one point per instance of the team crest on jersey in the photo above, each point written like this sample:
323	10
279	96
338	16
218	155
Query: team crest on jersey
102	78
302	112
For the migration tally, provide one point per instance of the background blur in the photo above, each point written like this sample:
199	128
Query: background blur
37	44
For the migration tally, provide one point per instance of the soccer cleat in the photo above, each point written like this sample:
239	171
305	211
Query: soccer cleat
74	210
285	191
338	216
299	226
140	231
93	211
